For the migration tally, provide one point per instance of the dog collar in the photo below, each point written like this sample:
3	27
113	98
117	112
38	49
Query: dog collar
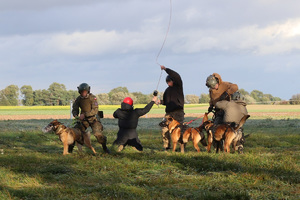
59	128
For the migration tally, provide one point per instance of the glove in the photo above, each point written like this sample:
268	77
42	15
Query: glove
225	96
210	109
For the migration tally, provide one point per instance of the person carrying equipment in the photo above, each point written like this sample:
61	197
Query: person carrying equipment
228	105
219	90
88	105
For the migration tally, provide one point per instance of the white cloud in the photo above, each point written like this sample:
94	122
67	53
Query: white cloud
273	39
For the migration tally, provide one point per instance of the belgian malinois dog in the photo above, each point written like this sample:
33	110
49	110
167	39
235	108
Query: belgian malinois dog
69	136
175	130
226	132
195	135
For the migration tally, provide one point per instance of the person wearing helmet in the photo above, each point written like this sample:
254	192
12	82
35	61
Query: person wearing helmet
173	99
87	104
128	121
219	90
226	101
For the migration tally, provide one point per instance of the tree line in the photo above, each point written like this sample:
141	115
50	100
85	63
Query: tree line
57	94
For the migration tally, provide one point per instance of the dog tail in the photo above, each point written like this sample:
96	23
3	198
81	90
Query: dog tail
242	122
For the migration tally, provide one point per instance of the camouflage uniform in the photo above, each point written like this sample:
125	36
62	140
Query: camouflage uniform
89	107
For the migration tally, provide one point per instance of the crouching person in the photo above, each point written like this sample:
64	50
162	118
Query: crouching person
128	121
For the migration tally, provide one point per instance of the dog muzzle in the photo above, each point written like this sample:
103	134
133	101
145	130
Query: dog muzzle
47	129
163	123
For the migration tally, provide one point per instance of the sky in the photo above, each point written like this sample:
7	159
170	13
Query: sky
113	43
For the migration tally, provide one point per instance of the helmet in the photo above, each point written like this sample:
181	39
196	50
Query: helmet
236	96
128	100
169	78
211	81
83	86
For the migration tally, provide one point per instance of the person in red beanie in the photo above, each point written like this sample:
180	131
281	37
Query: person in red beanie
128	121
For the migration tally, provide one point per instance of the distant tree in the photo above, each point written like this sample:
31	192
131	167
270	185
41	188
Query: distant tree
71	96
42	97
243	92
11	95
58	94
249	99
191	99
27	93
103	99
141	98
204	98
295	99
257	95
118	89
260	97
3	99
117	97
271	98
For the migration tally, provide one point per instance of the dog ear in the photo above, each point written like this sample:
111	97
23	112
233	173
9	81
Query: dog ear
205	118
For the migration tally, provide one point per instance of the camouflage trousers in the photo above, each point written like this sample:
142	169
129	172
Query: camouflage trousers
166	136
96	127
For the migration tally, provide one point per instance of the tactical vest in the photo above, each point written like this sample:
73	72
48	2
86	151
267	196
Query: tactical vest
85	104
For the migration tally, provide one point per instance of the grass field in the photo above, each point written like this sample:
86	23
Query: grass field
191	110
32	165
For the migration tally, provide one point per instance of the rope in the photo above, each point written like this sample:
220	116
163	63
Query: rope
187	123
159	80
163	44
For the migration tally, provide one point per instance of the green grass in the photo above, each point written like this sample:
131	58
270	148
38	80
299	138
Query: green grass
32	165
108	109
256	111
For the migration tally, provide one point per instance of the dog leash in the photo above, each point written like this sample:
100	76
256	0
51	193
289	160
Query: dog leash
187	123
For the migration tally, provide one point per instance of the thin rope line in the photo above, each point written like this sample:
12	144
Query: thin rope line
159	79
163	44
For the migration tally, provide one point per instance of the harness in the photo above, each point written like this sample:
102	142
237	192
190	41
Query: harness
61	127
171	130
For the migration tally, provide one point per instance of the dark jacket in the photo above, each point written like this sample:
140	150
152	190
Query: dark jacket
173	97
128	121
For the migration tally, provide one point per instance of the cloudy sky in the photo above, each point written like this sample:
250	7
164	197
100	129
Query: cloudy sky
112	43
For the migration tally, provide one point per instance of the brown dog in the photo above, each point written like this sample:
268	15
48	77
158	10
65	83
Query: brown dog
221	132
175	129
196	135
69	136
